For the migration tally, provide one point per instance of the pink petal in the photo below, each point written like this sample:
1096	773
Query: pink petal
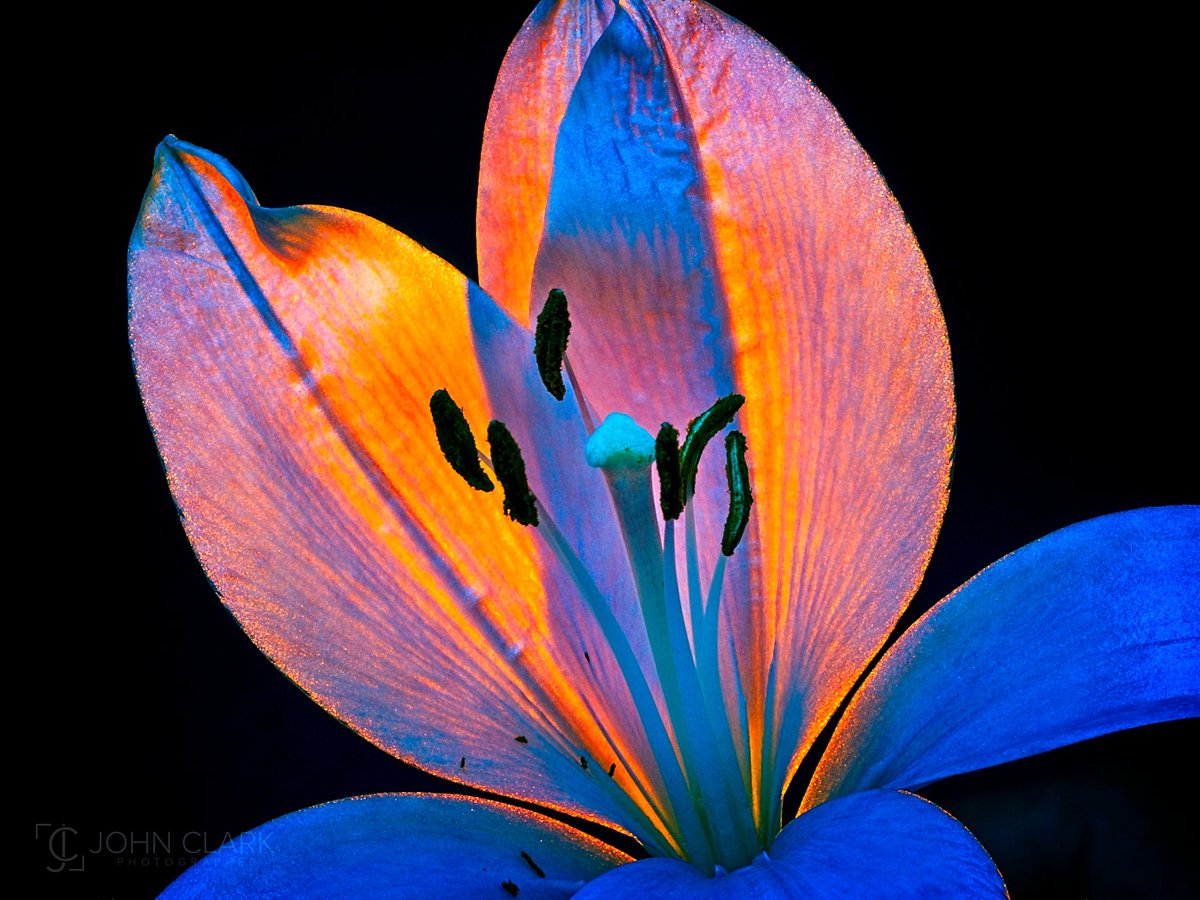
286	359
716	227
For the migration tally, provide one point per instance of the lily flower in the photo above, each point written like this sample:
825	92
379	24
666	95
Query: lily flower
633	632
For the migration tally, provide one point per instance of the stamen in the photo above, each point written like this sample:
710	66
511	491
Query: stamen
585	409
666	461
692	841
700	431
695	596
740	497
704	724
519	502
623	451
550	342
707	649
650	836
457	443
772	815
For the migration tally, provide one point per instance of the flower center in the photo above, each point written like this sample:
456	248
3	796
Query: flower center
706	801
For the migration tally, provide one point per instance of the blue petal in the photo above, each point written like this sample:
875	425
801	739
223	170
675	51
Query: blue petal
407	845
1090	630
627	237
876	844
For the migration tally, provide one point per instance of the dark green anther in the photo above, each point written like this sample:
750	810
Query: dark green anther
666	461
457	443
510	471
550	342
740	498
700	431
536	868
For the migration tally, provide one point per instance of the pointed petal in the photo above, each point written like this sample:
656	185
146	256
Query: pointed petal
533	87
877	844
415	846
840	348
1089	630
626	237
286	358
715	227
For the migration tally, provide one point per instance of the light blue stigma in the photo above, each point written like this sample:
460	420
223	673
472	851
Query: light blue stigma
619	444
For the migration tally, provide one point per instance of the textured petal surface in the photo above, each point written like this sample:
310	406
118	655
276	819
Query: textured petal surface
1092	629
877	844
286	359
410	846
716	227
538	76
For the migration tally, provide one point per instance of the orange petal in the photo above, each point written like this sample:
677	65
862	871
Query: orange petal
528	102
286	358
841	351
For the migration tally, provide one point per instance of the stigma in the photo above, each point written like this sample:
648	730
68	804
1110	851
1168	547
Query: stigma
619	444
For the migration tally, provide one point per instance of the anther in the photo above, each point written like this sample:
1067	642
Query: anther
519	502
462	763
700	431
550	342
457	443
612	770
666	461
740	497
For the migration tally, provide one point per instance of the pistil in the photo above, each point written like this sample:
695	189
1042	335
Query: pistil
623	451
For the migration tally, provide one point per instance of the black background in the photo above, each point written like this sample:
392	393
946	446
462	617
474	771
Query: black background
1039	161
